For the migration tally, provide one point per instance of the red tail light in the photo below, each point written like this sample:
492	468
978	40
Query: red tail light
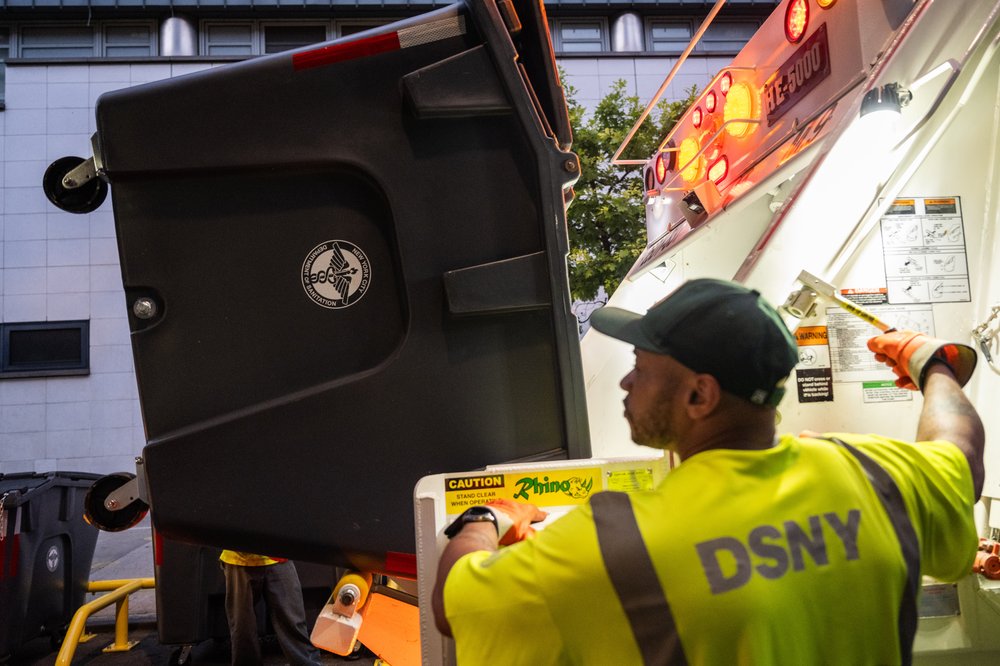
719	170
796	20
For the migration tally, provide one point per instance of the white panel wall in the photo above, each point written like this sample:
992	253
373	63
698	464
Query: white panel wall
58	266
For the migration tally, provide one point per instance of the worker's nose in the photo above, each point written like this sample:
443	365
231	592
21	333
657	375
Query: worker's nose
626	382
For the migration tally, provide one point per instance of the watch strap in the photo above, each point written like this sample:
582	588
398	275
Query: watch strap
475	514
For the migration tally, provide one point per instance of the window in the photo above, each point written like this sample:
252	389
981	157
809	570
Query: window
672	36
249	38
129	41
40	349
99	39
64	41
669	36
228	39
4	53
727	37
579	36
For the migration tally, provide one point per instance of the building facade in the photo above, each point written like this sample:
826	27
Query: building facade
68	398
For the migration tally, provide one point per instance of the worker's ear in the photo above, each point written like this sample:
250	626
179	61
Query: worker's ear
704	395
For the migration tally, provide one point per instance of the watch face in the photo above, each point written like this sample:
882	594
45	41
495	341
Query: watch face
476	514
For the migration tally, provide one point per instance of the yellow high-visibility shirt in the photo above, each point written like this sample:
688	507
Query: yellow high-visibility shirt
782	556
247	559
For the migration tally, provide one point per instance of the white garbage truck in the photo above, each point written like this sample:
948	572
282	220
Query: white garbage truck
348	302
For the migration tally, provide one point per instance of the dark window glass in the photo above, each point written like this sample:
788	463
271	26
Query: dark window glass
45	348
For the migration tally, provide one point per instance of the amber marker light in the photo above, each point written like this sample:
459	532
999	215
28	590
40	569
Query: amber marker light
826	4
686	153
740	105
796	20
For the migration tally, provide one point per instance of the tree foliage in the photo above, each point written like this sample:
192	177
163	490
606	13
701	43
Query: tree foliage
607	229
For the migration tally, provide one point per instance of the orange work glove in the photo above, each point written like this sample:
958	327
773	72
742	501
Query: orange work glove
514	519
909	354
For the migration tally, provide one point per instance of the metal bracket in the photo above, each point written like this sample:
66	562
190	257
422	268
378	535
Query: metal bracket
81	175
130	492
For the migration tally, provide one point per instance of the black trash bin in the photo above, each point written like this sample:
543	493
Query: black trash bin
46	549
373	283
191	592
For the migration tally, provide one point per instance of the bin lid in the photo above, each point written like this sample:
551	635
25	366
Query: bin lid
20	486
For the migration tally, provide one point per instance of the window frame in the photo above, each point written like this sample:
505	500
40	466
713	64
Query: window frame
99	41
693	25
206	24
54	369
258	27
555	30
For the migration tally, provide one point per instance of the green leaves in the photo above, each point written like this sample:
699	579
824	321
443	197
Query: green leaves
607	228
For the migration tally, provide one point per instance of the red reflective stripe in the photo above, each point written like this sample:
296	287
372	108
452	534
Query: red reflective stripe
14	545
157	549
349	51
401	564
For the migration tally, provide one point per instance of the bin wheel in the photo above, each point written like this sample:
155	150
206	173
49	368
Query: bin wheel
56	637
181	655
84	199
362	580
96	514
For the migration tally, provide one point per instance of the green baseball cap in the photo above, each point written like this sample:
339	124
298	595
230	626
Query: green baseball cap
716	327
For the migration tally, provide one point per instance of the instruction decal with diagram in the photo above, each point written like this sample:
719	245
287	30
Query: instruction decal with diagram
923	244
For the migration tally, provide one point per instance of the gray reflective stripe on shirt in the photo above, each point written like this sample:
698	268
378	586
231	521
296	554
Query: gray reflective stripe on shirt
892	500
634	579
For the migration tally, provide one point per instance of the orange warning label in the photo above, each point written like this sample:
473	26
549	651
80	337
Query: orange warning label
873	290
811	335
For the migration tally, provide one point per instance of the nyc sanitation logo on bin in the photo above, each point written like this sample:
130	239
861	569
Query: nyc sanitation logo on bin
52	559
336	274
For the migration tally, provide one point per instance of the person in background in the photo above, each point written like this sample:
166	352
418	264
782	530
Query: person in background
756	549
250	577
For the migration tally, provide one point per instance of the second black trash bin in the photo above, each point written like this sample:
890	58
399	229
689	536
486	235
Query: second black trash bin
46	551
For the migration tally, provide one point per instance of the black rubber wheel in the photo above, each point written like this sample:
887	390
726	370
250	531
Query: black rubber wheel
56	637
96	514
181	656
84	199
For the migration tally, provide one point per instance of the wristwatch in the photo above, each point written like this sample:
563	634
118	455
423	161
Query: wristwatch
475	514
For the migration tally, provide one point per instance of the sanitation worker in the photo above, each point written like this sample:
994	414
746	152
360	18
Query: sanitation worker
249	578
755	549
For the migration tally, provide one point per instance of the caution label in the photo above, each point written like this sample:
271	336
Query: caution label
543	488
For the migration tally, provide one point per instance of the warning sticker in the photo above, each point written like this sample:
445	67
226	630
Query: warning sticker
813	373
543	488
923	244
630	480
849	335
866	296
884	391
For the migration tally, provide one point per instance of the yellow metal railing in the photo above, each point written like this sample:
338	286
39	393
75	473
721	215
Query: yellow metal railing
118	593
